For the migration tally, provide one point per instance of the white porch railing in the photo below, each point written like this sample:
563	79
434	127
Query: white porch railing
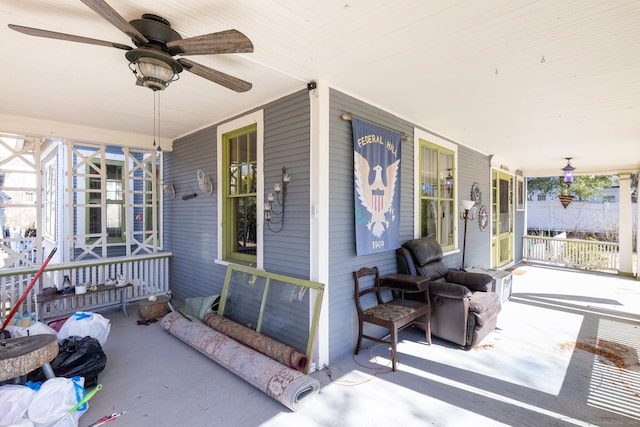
149	275
571	253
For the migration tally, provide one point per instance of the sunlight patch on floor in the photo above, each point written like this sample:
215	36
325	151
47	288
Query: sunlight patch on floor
615	385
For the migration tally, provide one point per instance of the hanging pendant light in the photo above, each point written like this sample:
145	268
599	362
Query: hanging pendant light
568	172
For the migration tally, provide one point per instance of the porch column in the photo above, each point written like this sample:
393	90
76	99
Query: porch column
637	172
625	227
319	210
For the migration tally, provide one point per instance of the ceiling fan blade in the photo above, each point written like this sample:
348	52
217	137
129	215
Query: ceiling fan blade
230	41
107	12
215	76
68	37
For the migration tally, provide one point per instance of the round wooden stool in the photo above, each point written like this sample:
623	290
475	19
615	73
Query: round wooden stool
19	356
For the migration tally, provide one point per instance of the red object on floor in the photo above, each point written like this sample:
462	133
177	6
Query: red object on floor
57	324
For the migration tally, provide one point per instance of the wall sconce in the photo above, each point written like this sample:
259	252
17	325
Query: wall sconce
568	172
279	196
468	213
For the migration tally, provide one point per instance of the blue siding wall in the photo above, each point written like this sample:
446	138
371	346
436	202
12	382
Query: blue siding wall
190	230
342	258
287	135
191	233
473	167
191	225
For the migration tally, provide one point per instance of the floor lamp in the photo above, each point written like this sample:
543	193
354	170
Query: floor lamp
466	215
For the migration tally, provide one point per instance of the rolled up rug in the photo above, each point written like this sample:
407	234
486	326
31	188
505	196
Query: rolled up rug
282	383
268	346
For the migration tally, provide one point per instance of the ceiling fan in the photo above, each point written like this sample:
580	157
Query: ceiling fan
152	60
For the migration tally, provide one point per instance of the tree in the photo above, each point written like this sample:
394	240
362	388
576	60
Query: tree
584	186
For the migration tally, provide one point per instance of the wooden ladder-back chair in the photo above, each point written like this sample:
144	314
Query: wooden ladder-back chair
394	315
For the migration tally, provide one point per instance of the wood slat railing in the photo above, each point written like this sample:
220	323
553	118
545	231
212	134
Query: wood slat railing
149	275
571	253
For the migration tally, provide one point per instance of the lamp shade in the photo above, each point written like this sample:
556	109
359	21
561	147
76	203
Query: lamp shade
154	72
467	204
153	68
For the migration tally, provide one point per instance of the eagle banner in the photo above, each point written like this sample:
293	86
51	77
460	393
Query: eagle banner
376	170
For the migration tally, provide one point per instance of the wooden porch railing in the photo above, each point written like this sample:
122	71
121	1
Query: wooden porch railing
571	253
149	275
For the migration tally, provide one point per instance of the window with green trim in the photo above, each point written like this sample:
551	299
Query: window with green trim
240	197
114	201
437	194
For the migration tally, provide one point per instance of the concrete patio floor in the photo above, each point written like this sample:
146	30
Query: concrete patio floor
528	372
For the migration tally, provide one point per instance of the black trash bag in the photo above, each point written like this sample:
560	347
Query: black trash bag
77	356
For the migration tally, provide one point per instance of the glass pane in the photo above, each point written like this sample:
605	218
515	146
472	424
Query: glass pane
447	223
242	148
233	150
244	180
504	205
114	190
429	212
446	175
114	172
245	209
114	220
95	220
233	179
252	159
249	289
428	174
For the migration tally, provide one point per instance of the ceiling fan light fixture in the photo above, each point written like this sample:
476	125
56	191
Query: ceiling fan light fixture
153	73
153	69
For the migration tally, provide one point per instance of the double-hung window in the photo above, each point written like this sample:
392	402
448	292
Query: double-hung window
240	173
437	189
113	203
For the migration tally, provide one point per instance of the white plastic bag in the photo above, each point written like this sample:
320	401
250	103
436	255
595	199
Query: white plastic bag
83	324
14	401
36	328
56	397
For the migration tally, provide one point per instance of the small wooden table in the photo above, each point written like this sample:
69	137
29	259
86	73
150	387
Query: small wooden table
19	356
89	299
410	284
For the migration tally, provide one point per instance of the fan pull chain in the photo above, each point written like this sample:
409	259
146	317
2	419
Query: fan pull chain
157	95
156	120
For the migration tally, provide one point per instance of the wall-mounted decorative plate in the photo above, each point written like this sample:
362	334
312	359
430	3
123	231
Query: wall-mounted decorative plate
169	190
204	182
483	218
476	196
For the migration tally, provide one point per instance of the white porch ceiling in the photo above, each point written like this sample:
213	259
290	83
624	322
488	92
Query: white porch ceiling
531	82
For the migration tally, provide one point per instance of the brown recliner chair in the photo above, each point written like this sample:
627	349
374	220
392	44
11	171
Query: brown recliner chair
463	308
